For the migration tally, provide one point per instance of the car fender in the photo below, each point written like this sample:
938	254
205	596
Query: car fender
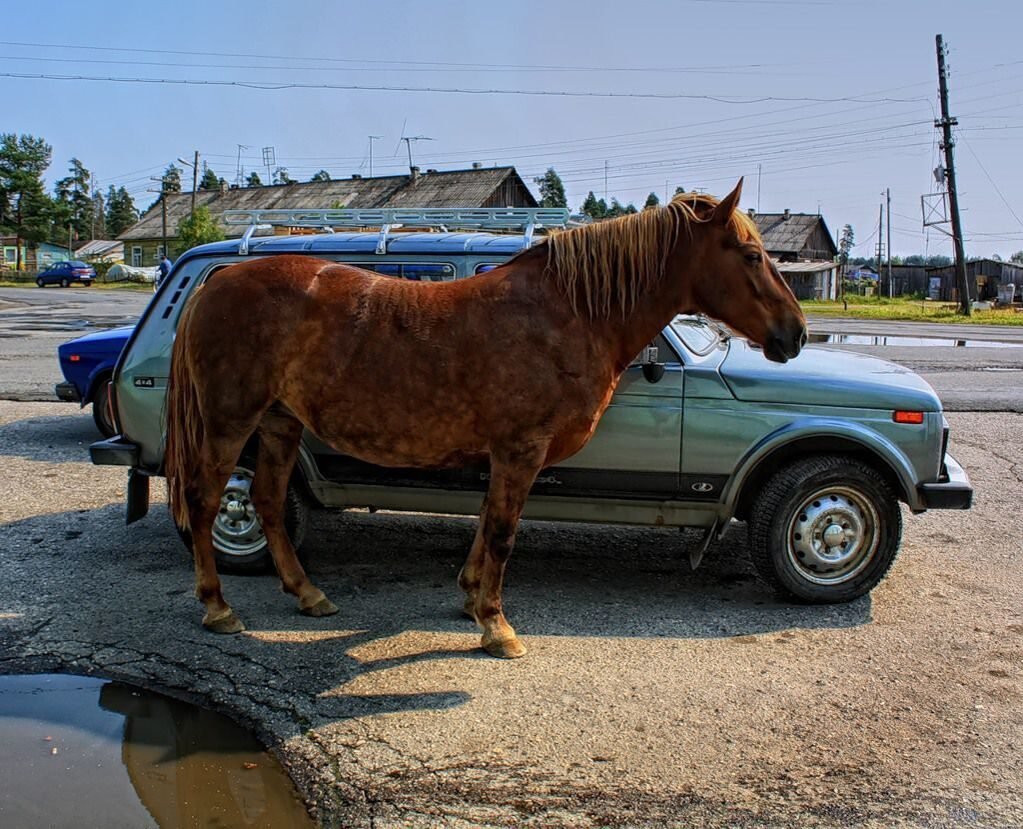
816	429
100	374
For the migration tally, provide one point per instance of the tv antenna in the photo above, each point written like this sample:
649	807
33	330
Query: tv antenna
408	139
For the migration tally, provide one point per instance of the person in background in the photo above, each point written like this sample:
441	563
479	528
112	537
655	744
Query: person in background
164	269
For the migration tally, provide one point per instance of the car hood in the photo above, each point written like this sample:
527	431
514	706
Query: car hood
101	339
825	377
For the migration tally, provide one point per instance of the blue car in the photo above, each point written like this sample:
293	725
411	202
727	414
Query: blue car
64	273
87	364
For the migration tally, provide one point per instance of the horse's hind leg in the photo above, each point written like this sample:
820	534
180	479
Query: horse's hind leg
279	438
216	461
510	480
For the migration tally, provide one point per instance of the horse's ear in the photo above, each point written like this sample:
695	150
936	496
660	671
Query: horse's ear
723	212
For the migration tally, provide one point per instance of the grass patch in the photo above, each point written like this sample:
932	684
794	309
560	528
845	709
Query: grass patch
101	286
911	310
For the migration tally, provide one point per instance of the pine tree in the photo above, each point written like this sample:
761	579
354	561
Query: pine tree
99	217
322	175
552	190
28	213
121	212
209	180
593	208
651	201
73	194
172	179
253	180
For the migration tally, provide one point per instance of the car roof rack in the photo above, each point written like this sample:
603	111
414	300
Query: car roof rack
524	219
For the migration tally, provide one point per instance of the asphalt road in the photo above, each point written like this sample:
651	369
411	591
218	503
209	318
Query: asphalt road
973	377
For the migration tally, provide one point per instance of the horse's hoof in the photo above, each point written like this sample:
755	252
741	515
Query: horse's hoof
324	607
225	623
510	648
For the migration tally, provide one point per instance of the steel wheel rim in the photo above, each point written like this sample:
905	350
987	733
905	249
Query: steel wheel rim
237	530
833	535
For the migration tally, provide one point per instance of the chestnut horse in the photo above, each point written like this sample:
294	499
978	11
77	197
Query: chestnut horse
514	366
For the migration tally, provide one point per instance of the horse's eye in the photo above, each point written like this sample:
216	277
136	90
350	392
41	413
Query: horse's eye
753	258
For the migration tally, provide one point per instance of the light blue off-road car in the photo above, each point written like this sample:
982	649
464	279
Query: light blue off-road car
814	455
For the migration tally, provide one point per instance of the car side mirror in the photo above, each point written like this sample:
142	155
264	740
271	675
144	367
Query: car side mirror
653	371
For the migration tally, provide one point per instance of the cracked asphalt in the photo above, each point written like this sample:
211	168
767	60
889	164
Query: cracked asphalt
651	695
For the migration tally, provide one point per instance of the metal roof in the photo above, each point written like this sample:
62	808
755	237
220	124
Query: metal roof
788	233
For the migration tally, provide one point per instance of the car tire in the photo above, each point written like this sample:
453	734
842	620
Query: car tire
239	545
40	283
65	283
815	501
101	408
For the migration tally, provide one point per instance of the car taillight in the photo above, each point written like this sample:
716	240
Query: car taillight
75	358
908	417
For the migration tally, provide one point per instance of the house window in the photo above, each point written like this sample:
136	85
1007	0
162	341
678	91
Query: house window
10	255
136	257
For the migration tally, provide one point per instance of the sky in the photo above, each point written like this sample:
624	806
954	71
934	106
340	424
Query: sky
821	105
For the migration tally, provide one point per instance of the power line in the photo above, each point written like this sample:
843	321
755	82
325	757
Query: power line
560	93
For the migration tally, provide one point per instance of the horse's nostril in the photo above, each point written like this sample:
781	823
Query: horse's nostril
802	338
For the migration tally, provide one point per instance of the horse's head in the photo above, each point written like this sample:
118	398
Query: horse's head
734	280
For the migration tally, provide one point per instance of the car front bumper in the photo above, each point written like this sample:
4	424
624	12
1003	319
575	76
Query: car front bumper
68	392
952	492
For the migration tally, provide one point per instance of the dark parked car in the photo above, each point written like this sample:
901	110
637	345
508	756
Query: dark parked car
64	273
87	364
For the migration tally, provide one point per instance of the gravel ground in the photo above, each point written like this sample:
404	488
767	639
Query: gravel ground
651	695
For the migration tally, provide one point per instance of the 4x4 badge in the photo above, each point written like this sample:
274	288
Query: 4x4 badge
145	382
702	486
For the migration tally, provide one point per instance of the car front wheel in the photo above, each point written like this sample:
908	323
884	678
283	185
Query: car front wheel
239	543
825	529
65	283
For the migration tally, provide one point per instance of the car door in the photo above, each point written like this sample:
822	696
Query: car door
637	447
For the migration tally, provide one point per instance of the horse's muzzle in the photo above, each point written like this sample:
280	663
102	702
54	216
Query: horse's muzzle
785	343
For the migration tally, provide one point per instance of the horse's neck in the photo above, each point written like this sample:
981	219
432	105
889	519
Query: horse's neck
653	310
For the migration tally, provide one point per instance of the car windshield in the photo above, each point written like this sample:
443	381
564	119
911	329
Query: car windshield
699	334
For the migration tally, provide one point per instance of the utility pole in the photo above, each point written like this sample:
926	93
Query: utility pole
880	246
946	123
195	186
373	138
888	195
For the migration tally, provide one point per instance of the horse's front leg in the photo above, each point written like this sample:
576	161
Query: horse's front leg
469	575
510	481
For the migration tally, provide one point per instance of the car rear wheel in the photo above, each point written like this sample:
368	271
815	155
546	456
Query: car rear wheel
238	540
40	283
101	415
65	283
825	529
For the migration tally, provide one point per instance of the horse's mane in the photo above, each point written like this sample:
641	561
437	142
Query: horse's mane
606	266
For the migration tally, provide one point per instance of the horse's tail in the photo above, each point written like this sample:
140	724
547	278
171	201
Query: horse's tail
183	421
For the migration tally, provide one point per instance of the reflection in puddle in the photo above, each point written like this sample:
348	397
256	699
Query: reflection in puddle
927	342
77	751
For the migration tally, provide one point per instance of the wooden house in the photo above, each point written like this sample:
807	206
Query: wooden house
475	187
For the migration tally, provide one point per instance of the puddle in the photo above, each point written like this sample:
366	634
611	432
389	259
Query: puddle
922	342
78	751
